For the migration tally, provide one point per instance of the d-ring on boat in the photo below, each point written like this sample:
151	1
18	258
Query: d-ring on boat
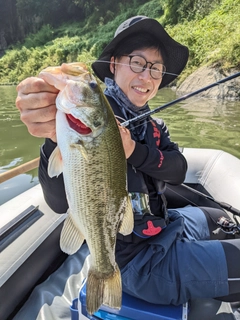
38	281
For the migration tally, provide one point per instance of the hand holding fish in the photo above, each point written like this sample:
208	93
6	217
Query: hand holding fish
36	103
128	143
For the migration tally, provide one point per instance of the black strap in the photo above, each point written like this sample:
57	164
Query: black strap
144	228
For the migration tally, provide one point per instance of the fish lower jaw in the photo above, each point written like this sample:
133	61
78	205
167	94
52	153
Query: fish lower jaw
77	125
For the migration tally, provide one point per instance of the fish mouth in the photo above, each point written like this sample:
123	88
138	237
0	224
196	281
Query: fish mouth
77	125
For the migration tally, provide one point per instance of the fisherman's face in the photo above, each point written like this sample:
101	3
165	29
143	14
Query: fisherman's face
138	87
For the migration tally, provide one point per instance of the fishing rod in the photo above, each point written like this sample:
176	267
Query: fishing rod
160	108
223	205
225	224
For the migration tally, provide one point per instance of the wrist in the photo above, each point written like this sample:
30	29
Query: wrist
131	149
48	147
139	154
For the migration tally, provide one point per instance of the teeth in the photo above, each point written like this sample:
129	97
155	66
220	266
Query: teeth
141	89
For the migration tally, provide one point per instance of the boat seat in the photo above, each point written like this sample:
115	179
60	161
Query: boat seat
132	309
136	309
216	171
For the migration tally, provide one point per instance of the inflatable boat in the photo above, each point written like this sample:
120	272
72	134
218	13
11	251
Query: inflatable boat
38	281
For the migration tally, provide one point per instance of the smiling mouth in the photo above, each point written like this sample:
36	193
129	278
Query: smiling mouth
141	89
77	125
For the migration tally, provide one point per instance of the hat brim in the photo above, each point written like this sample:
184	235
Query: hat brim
176	54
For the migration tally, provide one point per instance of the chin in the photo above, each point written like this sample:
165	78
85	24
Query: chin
138	103
141	104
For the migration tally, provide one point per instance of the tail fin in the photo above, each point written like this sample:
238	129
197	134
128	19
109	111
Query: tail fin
103	291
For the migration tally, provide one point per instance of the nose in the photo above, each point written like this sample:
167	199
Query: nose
145	74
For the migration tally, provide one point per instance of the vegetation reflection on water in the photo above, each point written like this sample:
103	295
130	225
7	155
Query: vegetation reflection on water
196	122
202	123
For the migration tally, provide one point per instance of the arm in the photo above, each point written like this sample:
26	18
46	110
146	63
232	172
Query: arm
53	188
36	103
165	162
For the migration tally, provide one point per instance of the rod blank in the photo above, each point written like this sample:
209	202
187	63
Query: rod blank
186	96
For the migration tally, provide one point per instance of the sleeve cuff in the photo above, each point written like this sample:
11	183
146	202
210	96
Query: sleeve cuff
48	148
139	155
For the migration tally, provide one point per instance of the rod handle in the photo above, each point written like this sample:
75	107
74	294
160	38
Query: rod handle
23	168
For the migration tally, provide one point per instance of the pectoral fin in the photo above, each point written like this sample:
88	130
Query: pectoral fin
127	223
55	164
82	149
71	237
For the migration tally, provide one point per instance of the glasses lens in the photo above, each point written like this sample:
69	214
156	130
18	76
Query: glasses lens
157	70
137	63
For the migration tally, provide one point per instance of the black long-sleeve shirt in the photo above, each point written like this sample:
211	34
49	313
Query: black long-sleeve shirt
154	161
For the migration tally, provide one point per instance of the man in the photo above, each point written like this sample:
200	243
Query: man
168	259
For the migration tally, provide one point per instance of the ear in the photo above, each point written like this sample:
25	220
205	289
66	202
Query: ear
112	65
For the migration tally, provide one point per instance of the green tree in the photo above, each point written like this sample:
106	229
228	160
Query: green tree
9	32
179	10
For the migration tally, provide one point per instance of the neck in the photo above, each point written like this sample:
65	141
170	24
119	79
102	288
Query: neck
114	91
128	109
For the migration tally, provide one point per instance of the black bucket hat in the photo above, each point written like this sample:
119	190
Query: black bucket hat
176	54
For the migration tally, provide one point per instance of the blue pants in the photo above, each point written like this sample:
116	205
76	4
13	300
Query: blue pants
179	264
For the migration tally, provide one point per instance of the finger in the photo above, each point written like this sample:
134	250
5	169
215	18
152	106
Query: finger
35	100
34	84
124	130
46	114
44	123
40	122
43	130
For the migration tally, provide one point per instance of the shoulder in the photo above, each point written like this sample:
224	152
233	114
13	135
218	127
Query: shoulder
161	124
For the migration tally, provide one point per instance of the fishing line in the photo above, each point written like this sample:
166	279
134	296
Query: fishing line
182	196
127	64
120	118
169	112
223	205
184	97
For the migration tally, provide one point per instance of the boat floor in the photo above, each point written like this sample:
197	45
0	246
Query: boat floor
52	298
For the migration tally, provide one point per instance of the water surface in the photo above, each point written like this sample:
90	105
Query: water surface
17	146
196	122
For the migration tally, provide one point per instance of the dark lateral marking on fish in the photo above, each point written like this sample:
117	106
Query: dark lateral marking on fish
77	125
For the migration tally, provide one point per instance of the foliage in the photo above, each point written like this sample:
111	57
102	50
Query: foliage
44	35
212	38
19	64
179	10
152	9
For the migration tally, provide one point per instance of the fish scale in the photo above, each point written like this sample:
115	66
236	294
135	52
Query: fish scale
91	157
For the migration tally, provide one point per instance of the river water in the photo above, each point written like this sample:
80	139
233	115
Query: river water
196	122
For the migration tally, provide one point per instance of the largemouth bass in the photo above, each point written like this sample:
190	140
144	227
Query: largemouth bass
91	157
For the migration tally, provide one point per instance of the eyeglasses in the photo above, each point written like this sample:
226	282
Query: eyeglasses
139	64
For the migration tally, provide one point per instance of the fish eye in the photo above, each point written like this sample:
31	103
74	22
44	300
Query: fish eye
93	84
96	123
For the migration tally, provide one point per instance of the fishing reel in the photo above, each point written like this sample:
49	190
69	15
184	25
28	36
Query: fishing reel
228	226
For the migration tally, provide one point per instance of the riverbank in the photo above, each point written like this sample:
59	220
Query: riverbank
205	76
213	39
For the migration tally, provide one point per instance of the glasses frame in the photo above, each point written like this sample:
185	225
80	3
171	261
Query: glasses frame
145	66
